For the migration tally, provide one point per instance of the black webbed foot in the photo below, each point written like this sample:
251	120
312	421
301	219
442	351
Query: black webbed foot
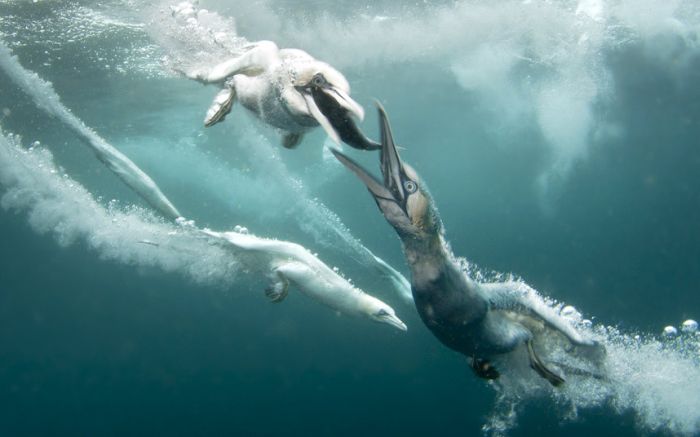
484	369
541	369
278	288
291	140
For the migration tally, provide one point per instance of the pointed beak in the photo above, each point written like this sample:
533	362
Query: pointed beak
395	322
391	187
390	163
375	187
405	205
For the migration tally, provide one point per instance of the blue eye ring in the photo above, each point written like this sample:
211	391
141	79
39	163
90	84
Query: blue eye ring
318	80
410	186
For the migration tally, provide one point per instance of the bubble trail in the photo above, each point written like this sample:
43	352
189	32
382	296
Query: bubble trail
58	205
46	98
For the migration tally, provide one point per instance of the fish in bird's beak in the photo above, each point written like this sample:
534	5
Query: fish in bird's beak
335	110
398	196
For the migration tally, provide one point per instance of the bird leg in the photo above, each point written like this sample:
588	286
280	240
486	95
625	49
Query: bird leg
483	368
278	288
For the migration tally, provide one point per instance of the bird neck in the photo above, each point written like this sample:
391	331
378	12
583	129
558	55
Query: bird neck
425	254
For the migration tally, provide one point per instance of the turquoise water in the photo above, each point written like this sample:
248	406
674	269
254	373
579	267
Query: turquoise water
559	141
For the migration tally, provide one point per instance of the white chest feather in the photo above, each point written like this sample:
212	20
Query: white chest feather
274	100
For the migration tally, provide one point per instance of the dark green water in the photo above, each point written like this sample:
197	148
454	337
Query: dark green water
558	146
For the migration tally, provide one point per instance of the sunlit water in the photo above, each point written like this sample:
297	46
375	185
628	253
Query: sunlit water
559	140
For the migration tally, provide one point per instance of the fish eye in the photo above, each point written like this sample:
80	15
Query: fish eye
410	186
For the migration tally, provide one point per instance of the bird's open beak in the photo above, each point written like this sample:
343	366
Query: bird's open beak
405	204
336	112
391	188
390	162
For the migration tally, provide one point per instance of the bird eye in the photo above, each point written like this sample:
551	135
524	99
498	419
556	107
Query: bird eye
318	80
410	186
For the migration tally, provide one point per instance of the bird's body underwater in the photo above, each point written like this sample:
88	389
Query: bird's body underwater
287	89
481	321
286	263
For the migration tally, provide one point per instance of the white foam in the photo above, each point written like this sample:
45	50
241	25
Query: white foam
89	30
657	379
192	37
57	205
46	98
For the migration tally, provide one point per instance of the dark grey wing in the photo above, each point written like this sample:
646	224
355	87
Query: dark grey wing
519	297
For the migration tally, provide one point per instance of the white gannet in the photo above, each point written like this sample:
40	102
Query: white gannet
288	89
291	264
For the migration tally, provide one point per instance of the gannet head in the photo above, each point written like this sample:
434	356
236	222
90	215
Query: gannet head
401	196
326	93
380	312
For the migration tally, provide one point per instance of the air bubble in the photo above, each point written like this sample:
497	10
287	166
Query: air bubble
568	312
670	331
689	326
